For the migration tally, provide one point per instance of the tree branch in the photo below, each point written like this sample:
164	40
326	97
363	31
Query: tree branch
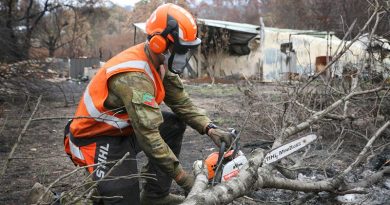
338	56
268	181
374	178
96	182
318	115
20	136
365	149
201	180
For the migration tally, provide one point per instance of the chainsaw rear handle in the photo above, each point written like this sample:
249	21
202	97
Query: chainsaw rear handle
222	148
218	172
221	152
236	145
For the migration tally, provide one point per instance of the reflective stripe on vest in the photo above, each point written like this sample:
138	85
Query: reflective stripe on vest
100	121
143	65
109	119
75	150
102	117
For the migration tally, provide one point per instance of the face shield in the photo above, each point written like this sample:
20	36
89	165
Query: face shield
177	60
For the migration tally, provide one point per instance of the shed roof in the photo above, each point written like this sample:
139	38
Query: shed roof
319	34
241	27
140	26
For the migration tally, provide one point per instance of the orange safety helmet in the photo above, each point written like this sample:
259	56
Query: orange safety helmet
170	22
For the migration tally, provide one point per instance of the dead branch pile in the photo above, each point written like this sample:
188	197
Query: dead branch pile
28	68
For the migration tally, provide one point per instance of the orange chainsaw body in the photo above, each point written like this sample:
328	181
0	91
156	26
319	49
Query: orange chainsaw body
212	160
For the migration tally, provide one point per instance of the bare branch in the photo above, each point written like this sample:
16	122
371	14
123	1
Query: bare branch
374	178
3	126
328	115
365	149
96	182
20	136
70	118
201	181
268	181
319	115
338	56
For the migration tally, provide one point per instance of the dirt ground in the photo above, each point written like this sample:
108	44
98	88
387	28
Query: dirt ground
40	156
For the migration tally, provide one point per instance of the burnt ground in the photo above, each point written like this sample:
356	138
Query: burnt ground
40	156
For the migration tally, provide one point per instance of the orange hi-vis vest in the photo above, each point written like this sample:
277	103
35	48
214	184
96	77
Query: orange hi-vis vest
92	119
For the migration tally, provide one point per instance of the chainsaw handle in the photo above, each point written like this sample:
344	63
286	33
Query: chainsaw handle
236	145
222	148
221	152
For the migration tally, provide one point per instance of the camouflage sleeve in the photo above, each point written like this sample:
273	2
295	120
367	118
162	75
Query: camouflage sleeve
179	101
136	90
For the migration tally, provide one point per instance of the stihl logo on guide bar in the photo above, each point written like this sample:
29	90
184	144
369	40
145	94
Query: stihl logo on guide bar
288	149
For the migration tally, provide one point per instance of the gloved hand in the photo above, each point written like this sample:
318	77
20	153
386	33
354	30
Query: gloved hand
185	181
219	135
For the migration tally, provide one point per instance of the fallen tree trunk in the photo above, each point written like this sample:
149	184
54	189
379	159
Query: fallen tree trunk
266	180
201	181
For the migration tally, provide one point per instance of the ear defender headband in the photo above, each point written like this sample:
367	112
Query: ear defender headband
158	42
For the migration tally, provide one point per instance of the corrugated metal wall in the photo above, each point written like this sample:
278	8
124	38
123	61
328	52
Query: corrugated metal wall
77	66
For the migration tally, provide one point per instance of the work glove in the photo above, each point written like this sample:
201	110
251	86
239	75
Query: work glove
185	181
218	136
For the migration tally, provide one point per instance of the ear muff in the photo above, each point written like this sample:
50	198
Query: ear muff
157	44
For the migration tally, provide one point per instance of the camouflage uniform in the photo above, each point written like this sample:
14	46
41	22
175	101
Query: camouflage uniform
127	90
159	134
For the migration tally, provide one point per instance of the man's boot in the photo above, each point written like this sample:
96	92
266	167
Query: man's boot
170	199
37	191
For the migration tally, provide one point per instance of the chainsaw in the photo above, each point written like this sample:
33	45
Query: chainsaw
222	166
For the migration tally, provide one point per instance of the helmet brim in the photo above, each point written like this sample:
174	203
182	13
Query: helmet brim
190	44
183	47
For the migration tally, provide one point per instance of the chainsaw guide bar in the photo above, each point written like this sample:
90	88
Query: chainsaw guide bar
289	148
